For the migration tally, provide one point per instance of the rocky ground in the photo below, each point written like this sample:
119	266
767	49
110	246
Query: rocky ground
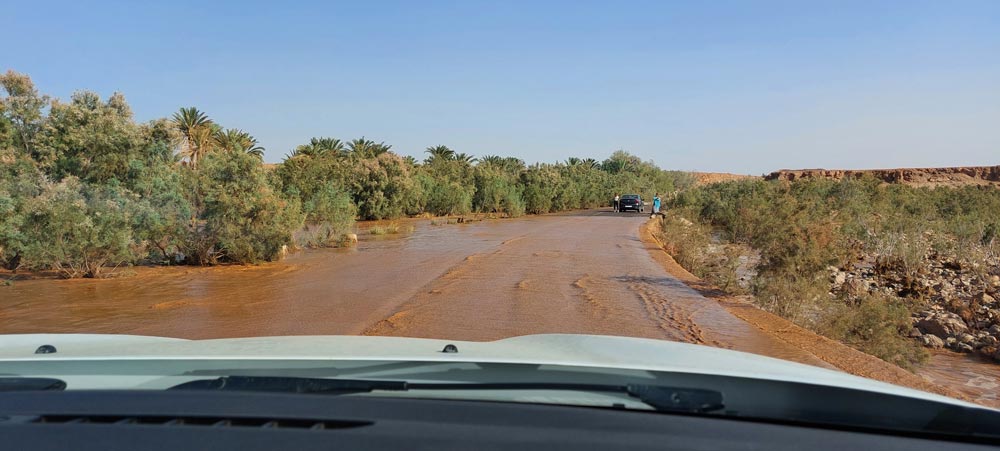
957	301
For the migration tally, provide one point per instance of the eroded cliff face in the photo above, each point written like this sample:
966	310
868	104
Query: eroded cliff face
708	178
957	176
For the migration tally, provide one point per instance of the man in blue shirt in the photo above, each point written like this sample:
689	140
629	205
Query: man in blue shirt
656	204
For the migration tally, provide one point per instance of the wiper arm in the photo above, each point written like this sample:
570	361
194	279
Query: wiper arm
661	398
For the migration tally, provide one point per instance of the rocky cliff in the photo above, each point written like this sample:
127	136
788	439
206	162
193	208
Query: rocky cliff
957	176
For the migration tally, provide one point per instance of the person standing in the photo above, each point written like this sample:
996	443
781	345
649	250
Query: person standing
617	199
656	204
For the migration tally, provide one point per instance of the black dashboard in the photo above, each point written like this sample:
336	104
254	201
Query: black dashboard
111	420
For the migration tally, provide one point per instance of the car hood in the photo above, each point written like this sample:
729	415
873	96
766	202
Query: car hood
612	352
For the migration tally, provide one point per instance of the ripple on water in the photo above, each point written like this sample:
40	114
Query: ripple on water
970	375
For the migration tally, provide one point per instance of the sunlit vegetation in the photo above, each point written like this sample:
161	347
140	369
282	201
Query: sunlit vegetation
803	228
84	188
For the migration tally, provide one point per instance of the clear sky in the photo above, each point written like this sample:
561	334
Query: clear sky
735	86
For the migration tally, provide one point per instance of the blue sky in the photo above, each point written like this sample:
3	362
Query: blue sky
735	86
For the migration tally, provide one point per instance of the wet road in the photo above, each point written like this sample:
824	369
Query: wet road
585	272
582	272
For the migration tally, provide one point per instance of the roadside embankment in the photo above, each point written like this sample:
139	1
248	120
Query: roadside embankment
837	354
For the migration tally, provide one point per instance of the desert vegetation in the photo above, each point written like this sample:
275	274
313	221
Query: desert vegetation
84	188
883	267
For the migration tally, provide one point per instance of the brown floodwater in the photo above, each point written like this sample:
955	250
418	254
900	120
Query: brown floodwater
581	272
966	374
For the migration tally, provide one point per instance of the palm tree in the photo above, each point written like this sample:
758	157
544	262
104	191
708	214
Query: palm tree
320	147
366	148
592	163
410	160
573	161
491	160
439	153
194	125
513	164
236	140
464	158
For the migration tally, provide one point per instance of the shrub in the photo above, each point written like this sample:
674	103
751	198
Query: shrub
78	229
242	214
380	185
329	215
876	325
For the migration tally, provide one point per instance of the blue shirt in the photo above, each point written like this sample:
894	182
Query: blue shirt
656	203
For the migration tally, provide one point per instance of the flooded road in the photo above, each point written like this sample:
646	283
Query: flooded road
582	272
966	374
585	272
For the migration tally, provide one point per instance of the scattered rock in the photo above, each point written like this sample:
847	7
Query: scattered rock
962	347
942	324
932	341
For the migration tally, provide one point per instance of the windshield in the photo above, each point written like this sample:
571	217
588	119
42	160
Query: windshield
477	172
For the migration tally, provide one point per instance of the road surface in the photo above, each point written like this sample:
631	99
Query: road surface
584	272
580	272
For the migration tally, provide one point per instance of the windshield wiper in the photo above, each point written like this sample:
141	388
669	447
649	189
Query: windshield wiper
30	383
661	398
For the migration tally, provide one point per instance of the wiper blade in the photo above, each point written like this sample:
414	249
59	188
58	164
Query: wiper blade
30	383
661	398
291	385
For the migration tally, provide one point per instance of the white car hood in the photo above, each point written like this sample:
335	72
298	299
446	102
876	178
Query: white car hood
550	349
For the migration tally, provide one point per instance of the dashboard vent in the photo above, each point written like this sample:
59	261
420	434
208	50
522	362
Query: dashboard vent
197	421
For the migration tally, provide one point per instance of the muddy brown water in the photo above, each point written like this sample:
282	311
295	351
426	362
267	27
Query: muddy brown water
581	272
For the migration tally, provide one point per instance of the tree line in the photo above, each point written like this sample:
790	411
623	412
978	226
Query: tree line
84	187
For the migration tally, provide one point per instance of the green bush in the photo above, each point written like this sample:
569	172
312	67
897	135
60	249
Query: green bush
380	186
329	215
248	221
876	325
79	230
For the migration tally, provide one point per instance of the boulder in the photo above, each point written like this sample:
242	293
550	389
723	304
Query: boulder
932	342
915	333
943	325
986	299
856	287
962	347
351	238
966	338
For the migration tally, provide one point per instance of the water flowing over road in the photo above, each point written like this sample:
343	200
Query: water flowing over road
581	272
